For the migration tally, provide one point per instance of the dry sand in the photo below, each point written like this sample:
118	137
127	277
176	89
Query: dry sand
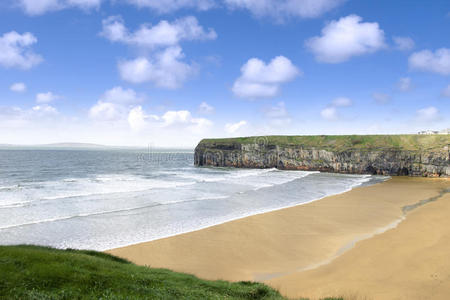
308	250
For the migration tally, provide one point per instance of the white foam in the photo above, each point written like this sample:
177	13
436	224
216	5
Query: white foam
9	187
106	184
174	230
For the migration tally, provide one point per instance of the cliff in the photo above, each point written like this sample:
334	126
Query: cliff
413	155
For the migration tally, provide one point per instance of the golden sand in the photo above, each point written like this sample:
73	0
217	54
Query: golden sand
309	250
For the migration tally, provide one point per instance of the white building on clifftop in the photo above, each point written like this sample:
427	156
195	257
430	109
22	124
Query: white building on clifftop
444	131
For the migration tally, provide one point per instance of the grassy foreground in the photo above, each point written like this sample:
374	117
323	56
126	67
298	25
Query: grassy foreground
33	272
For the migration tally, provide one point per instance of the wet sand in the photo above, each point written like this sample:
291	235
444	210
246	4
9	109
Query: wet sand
382	241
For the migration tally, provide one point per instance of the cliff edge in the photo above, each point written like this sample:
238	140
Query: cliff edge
413	155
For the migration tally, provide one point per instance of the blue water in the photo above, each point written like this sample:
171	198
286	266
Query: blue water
110	198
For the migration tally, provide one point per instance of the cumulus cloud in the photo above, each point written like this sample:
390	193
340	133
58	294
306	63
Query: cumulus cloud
39	7
165	6
18	87
170	120
381	98
118	106
234	127
404	84
46	97
446	92
428	114
15	50
261	80
120	95
112	105
403	43
281	9
166	69
137	118
106	111
205	108
183	117
164	66
163	34
345	38
331	113
436	62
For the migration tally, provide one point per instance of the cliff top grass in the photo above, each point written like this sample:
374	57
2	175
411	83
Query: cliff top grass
413	142
32	272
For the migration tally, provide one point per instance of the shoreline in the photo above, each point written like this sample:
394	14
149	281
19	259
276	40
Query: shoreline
270	247
262	212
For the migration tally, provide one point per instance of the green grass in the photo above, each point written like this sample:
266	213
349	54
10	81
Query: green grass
412	142
33	272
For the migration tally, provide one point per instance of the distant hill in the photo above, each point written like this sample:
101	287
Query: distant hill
74	145
89	146
85	146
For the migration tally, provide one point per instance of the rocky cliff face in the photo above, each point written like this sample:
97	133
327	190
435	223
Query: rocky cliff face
268	152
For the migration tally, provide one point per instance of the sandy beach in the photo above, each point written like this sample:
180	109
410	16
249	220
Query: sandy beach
386	241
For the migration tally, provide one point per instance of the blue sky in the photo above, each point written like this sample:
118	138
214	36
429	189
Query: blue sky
170	72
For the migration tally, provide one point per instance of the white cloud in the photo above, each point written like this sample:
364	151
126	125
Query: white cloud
112	105
165	66
404	84
175	119
342	102
45	109
446	92
165	6
205	108
120	95
281	9
234	127
347	37
331	112
46	97
122	125
29	119
163	34
165	70
428	114
403	43
381	98
39	7
426	60
15	52
137	118
18	87
115	107
261	80
253	90
106	111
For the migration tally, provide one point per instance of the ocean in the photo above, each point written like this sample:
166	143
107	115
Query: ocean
103	199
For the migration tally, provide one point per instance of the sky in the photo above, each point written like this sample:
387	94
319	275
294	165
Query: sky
168	73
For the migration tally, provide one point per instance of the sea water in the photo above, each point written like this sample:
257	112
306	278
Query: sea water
102	199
